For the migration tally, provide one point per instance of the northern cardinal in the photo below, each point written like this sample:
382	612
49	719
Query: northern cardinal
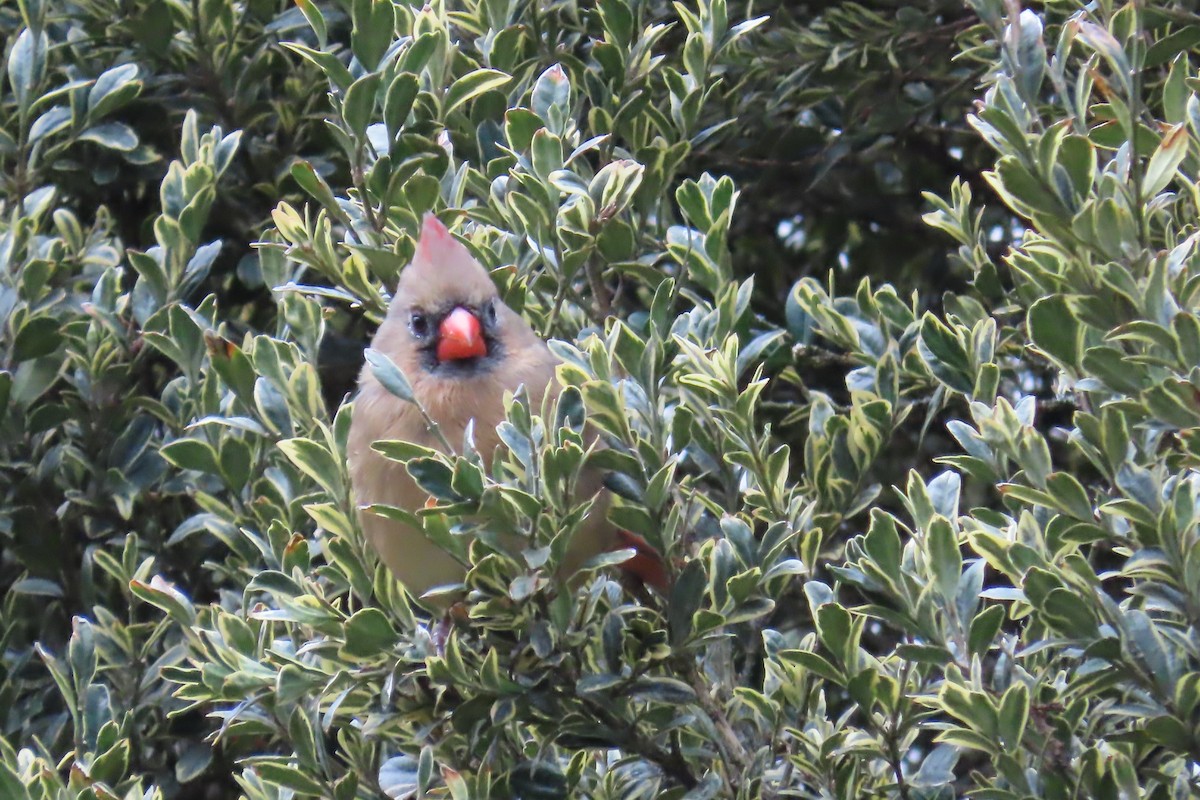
461	349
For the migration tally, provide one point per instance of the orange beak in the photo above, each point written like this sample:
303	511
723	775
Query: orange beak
460	336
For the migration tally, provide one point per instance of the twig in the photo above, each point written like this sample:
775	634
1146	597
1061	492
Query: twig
729	742
671	763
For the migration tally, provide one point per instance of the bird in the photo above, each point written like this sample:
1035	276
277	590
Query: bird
461	349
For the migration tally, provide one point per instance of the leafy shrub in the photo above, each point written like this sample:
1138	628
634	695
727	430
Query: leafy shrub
932	532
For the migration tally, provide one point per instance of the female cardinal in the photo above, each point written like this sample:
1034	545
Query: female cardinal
461	349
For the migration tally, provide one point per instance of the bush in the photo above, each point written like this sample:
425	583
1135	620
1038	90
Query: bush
931	518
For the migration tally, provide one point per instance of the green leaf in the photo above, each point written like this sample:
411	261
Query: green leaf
1166	160
6	382
36	586
335	71
368	634
289	777
472	85
113	135
315	461
316	20
402	451
193	762
318	189
359	104
11	785
398	102
192	454
686	596
38	337
662	690
945	557
163	595
434	477
389	375
1070	496
27	65
398	777
833	627
1112	367
56	119
1013	715
984	628
1029	52
552	97
944	353
374	29
520	124
113	89
1054	329
815	664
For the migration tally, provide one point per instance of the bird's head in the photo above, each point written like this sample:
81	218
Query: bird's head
452	318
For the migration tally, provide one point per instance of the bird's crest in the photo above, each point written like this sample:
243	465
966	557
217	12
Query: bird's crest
442	271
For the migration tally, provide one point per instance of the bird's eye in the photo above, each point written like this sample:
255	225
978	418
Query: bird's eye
418	323
489	312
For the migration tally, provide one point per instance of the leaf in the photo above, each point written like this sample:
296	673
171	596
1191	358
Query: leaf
937	768
815	664
368	634
161	594
335	71
984	628
943	352
398	777
1013	714
1054	329
359	103
113	135
39	336
434	477
27	65
592	684
397	450
315	461
316	20
54	120
1104	43
833	627
1111	366
11	786
193	761
374	29
707	789
944	492
114	88
6	382
663	690
1024	192
945	557
686	596
289	777
389	375
36	586
1166	160
1029	52
472	85
1070	496
305	175
552	97
398	101
192	454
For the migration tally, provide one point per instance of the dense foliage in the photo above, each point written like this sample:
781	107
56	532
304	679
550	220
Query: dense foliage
886	312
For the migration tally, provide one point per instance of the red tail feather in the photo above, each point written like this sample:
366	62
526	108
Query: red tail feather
647	565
